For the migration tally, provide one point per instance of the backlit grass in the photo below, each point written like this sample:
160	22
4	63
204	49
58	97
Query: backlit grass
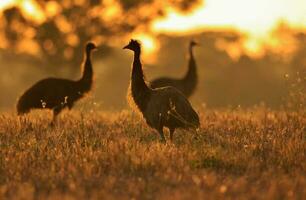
237	154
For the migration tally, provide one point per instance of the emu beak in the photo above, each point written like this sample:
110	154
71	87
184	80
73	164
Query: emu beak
125	47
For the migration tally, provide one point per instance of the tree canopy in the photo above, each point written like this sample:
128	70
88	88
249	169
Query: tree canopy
56	32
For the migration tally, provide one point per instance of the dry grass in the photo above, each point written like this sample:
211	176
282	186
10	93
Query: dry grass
236	154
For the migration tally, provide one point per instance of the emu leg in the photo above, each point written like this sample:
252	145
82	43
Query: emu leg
162	137
70	105
160	129
171	130
56	111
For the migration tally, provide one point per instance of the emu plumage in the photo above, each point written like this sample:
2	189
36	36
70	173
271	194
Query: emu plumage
188	83
55	93
161	107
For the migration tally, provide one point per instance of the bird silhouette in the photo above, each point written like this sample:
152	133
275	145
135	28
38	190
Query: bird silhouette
57	94
188	83
161	107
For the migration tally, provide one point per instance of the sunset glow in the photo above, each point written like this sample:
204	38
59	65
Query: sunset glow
256	17
6	3
29	8
253	19
150	45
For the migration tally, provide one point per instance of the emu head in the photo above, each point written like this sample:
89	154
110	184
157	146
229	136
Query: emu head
193	43
90	46
133	45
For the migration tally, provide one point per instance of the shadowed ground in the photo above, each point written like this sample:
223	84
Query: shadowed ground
238	154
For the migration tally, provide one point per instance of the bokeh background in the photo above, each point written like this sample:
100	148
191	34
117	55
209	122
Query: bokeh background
251	53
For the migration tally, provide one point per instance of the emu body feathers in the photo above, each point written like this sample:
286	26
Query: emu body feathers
188	83
161	107
55	93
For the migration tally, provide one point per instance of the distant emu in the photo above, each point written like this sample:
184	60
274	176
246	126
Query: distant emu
55	93
161	107
188	83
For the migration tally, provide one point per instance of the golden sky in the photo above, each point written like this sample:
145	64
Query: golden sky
254	18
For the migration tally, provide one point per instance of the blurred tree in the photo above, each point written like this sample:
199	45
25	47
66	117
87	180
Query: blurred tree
66	26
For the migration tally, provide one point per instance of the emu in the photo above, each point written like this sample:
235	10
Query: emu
188	83
55	93
161	107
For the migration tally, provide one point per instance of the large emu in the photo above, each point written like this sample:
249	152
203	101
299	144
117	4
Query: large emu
188	83
161	107
55	93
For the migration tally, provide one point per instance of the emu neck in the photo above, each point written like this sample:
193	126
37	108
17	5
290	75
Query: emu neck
87	77
140	90
191	75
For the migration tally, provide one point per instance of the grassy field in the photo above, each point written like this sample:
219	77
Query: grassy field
236	154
